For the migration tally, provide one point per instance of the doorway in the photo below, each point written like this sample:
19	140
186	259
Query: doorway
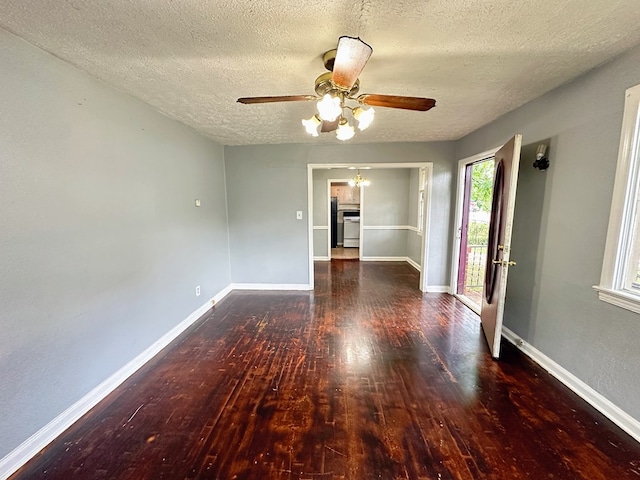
475	189
344	222
319	219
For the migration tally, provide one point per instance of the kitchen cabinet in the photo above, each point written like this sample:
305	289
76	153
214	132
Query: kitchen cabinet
346	195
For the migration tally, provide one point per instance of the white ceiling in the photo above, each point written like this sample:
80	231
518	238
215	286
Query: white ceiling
191	59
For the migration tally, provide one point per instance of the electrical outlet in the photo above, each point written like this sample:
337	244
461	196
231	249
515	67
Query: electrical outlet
299	215
198	291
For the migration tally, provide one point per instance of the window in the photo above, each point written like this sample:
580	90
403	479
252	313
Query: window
620	279
422	181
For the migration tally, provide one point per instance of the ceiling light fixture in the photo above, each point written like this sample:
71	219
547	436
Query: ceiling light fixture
337	87
331	108
344	130
364	117
340	85
359	181
311	125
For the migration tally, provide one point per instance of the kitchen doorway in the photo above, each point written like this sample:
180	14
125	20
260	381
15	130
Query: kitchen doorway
344	220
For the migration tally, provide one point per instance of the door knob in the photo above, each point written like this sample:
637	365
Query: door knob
503	263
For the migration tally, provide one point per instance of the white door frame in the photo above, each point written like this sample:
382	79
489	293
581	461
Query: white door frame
455	257
428	166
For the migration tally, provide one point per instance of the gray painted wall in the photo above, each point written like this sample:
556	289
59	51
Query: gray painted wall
414	247
386	204
524	287
268	183
101	245
320	243
266	186
595	341
384	243
387	198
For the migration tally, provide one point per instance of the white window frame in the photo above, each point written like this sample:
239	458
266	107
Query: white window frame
624	211
422	185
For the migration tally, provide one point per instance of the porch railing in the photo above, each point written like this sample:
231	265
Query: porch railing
476	261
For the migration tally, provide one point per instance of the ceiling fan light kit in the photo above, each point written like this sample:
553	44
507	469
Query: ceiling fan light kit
311	125
364	117
330	108
344	130
339	84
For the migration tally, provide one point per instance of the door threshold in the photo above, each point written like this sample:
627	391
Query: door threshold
468	302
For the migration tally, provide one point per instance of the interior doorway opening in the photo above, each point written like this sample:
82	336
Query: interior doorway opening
474	231
344	226
319	218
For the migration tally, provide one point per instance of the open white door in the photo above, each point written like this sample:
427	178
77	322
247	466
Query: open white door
505	182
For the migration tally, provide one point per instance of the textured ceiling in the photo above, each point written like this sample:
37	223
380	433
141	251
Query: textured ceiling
191	59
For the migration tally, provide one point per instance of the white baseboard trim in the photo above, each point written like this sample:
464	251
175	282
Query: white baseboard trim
614	413
414	264
271	286
221	294
36	442
389	227
384	259
411	262
321	259
438	289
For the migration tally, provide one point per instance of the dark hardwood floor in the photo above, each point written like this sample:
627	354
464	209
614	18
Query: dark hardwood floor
364	378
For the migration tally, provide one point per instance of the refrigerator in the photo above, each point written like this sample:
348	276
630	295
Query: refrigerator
334	222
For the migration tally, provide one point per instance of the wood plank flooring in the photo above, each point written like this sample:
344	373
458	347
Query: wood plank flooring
341	253
364	378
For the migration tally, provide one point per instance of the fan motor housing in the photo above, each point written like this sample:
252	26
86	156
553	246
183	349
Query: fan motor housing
324	85
329	58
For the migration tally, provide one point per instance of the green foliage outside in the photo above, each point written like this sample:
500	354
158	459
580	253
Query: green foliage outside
481	191
482	185
478	228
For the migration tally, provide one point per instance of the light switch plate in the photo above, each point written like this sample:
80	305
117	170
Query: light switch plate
299	215
197	202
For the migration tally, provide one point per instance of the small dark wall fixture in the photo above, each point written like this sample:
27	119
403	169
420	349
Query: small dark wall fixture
542	162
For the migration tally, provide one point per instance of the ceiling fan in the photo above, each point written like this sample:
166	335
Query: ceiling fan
341	84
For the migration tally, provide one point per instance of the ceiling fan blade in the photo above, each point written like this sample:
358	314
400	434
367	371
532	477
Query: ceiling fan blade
395	101
351	57
329	126
285	98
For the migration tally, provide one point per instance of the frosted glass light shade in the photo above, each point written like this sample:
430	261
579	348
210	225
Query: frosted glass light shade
364	117
345	131
311	125
329	108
